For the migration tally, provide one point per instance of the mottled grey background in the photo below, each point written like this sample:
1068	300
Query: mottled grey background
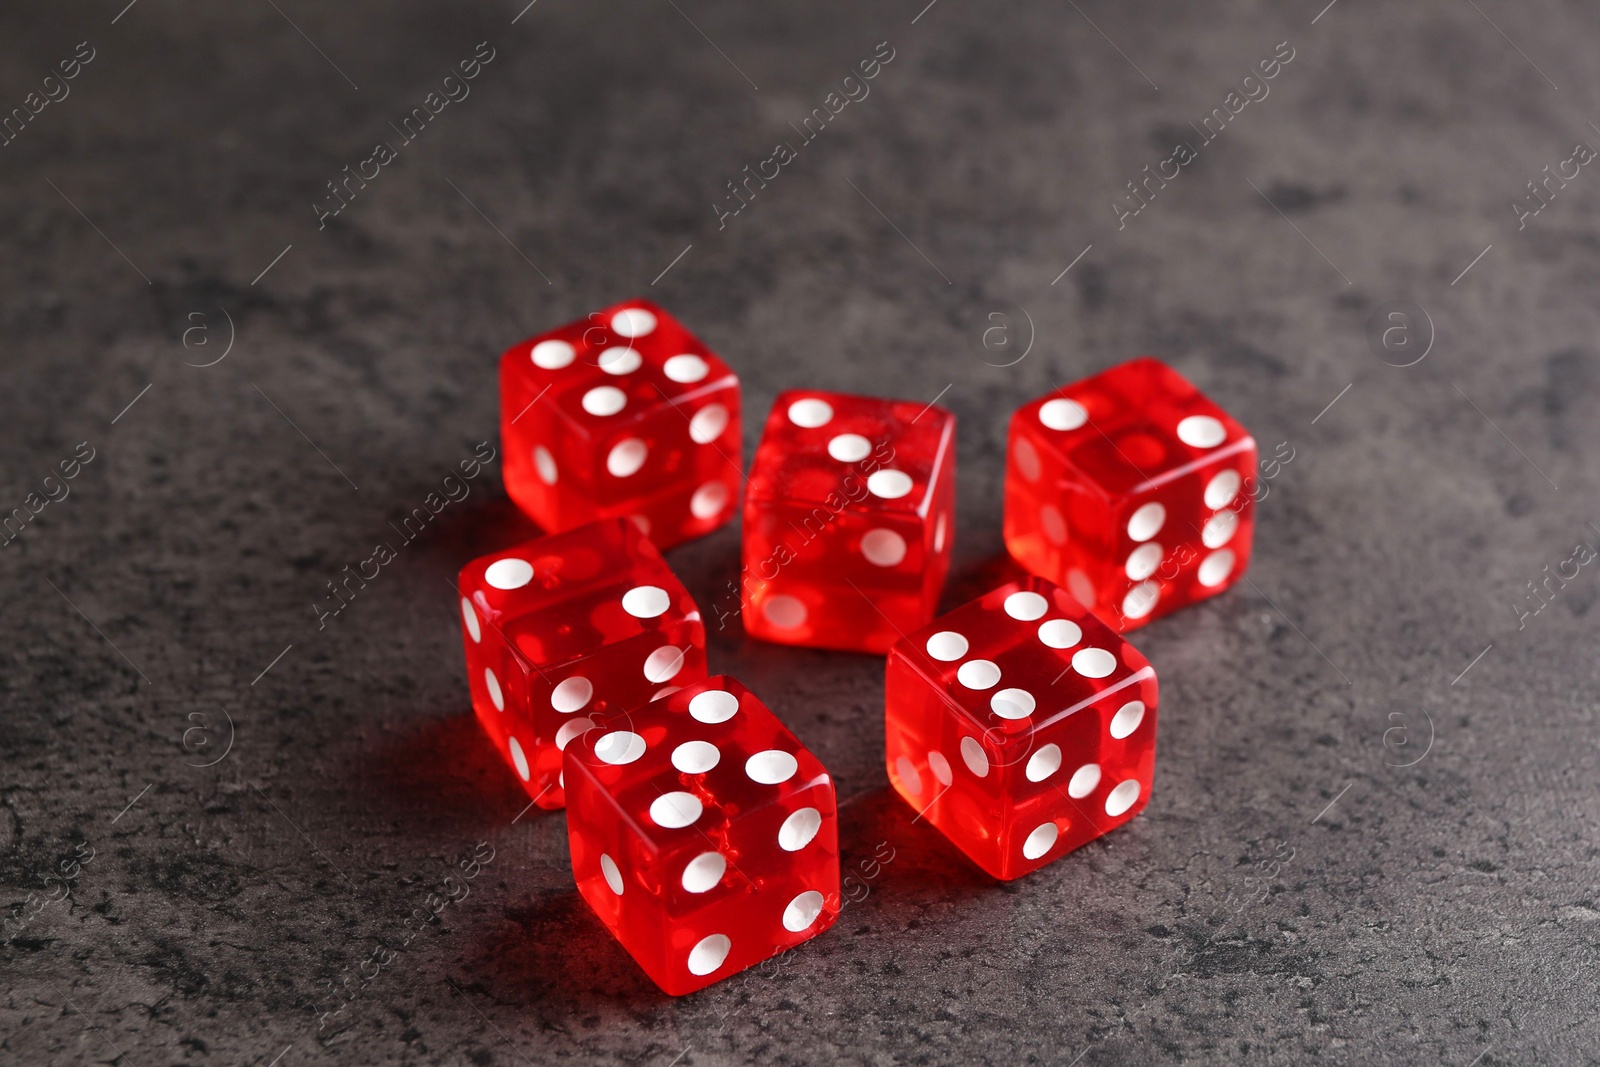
1292	895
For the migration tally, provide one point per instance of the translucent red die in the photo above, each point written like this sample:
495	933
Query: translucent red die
566	628
1021	726
1130	489
849	517
622	413
703	833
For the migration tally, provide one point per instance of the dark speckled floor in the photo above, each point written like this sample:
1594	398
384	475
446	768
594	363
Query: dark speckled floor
1356	853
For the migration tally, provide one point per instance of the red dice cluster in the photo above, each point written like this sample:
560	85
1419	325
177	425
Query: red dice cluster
1021	725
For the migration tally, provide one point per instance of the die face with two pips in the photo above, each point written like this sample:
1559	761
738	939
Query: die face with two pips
1129	489
703	834
1021	726
568	627
849	518
624	413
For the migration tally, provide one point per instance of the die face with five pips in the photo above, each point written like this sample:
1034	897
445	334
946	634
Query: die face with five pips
703	833
1021	726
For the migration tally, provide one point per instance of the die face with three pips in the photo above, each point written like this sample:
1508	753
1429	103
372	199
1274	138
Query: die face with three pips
849	518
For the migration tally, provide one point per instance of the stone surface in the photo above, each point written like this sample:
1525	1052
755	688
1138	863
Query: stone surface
1292	894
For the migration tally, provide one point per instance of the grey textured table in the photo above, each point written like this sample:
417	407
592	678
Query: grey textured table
1372	837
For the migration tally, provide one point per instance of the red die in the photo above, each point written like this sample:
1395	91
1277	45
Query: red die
848	520
703	834
567	627
1126	489
622	413
1022	725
